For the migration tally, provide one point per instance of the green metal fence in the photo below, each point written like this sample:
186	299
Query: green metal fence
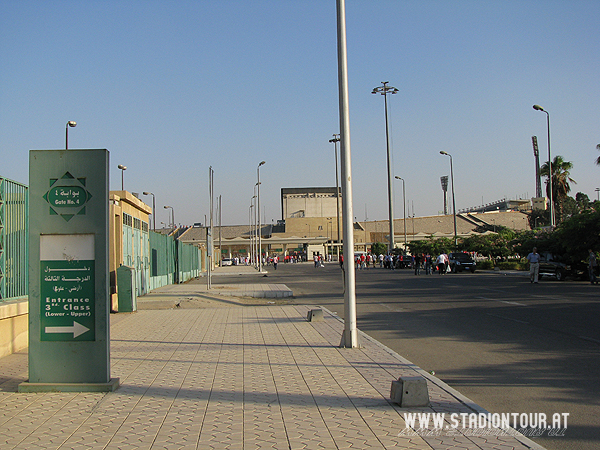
189	258
162	260
172	261
14	239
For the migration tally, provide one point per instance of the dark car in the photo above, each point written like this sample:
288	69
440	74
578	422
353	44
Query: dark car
552	265
461	261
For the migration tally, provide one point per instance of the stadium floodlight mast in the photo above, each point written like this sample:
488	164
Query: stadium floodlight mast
539	108
70	124
385	90
453	198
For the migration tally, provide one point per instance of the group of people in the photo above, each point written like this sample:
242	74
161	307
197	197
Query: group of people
425	261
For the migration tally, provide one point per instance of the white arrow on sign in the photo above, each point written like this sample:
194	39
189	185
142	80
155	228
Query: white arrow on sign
77	329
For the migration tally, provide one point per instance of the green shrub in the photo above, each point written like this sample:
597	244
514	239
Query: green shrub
486	264
512	265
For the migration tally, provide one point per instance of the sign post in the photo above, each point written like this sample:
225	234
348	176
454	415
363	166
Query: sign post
69	333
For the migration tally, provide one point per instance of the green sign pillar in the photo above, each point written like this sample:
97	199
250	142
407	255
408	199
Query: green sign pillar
69	311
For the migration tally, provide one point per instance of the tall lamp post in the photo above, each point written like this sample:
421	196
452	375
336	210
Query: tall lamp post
260	268
153	208
335	140
123	169
453	198
385	90
250	232
539	108
404	207
254	230
70	124
172	215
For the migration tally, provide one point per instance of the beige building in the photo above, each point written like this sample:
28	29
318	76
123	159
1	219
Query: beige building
129	229
309	202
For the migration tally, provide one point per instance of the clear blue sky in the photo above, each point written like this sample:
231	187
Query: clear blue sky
173	87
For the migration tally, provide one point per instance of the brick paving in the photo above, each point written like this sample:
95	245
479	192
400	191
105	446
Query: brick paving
234	378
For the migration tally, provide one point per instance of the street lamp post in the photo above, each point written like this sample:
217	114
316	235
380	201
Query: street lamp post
254	230
384	90
260	268
172	215
250	232
539	108
335	140
123	169
350	333
71	124
598	193
404	208
453	198
153	208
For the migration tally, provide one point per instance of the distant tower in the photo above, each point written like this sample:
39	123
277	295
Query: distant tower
444	181
538	180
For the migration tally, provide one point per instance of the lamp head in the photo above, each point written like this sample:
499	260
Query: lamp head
147	193
261	163
538	108
167	207
122	167
71	123
442	152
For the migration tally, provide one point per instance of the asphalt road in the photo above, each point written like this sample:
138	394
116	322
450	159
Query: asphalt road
509	345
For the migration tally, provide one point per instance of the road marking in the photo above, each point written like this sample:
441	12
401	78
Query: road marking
585	338
508	318
502	301
391	309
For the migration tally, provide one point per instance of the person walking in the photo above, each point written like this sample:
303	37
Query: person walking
428	264
534	265
417	263
275	261
592	263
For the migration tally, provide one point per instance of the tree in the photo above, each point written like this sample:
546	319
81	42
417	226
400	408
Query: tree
538	218
378	248
560	182
583	201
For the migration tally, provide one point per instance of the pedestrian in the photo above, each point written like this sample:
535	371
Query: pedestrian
592	263
417	263
534	265
440	263
275	261
427	264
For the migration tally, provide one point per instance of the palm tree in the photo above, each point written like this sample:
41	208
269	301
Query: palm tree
560	182
598	159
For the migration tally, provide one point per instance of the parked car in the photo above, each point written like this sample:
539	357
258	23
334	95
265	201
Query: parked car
227	262
461	261
552	265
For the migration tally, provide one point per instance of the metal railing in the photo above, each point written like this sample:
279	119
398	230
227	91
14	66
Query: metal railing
14	239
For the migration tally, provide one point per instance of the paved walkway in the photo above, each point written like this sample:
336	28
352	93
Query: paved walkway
240	378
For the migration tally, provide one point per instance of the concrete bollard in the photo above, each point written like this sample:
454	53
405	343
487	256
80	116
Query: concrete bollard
315	315
410	392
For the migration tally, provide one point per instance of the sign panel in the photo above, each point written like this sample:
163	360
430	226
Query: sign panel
69	309
67	287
